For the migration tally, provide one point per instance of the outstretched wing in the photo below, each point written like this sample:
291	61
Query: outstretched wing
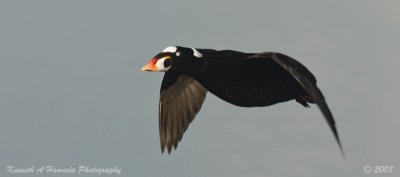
181	98
308	82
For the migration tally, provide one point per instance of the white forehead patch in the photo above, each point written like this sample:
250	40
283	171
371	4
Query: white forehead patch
197	53
170	49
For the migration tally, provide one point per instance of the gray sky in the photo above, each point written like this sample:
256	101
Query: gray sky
72	92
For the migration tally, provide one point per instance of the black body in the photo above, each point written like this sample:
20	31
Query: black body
245	82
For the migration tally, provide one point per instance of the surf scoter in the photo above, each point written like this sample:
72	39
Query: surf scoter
242	79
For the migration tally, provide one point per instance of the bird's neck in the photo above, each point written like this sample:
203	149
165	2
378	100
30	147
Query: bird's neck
195	69
202	68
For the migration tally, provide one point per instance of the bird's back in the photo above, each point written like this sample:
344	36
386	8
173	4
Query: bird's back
235	78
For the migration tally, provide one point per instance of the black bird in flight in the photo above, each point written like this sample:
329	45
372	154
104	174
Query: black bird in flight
242	79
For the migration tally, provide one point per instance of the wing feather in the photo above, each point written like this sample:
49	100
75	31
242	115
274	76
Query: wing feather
181	99
308	82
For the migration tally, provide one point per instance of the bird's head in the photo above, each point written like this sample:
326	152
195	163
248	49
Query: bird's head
169	57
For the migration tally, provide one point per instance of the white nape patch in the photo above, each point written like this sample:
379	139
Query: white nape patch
170	49
197	53
160	65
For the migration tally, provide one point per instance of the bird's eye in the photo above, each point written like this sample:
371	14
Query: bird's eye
167	62
163	64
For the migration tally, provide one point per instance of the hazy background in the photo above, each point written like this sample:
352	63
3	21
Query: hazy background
71	90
